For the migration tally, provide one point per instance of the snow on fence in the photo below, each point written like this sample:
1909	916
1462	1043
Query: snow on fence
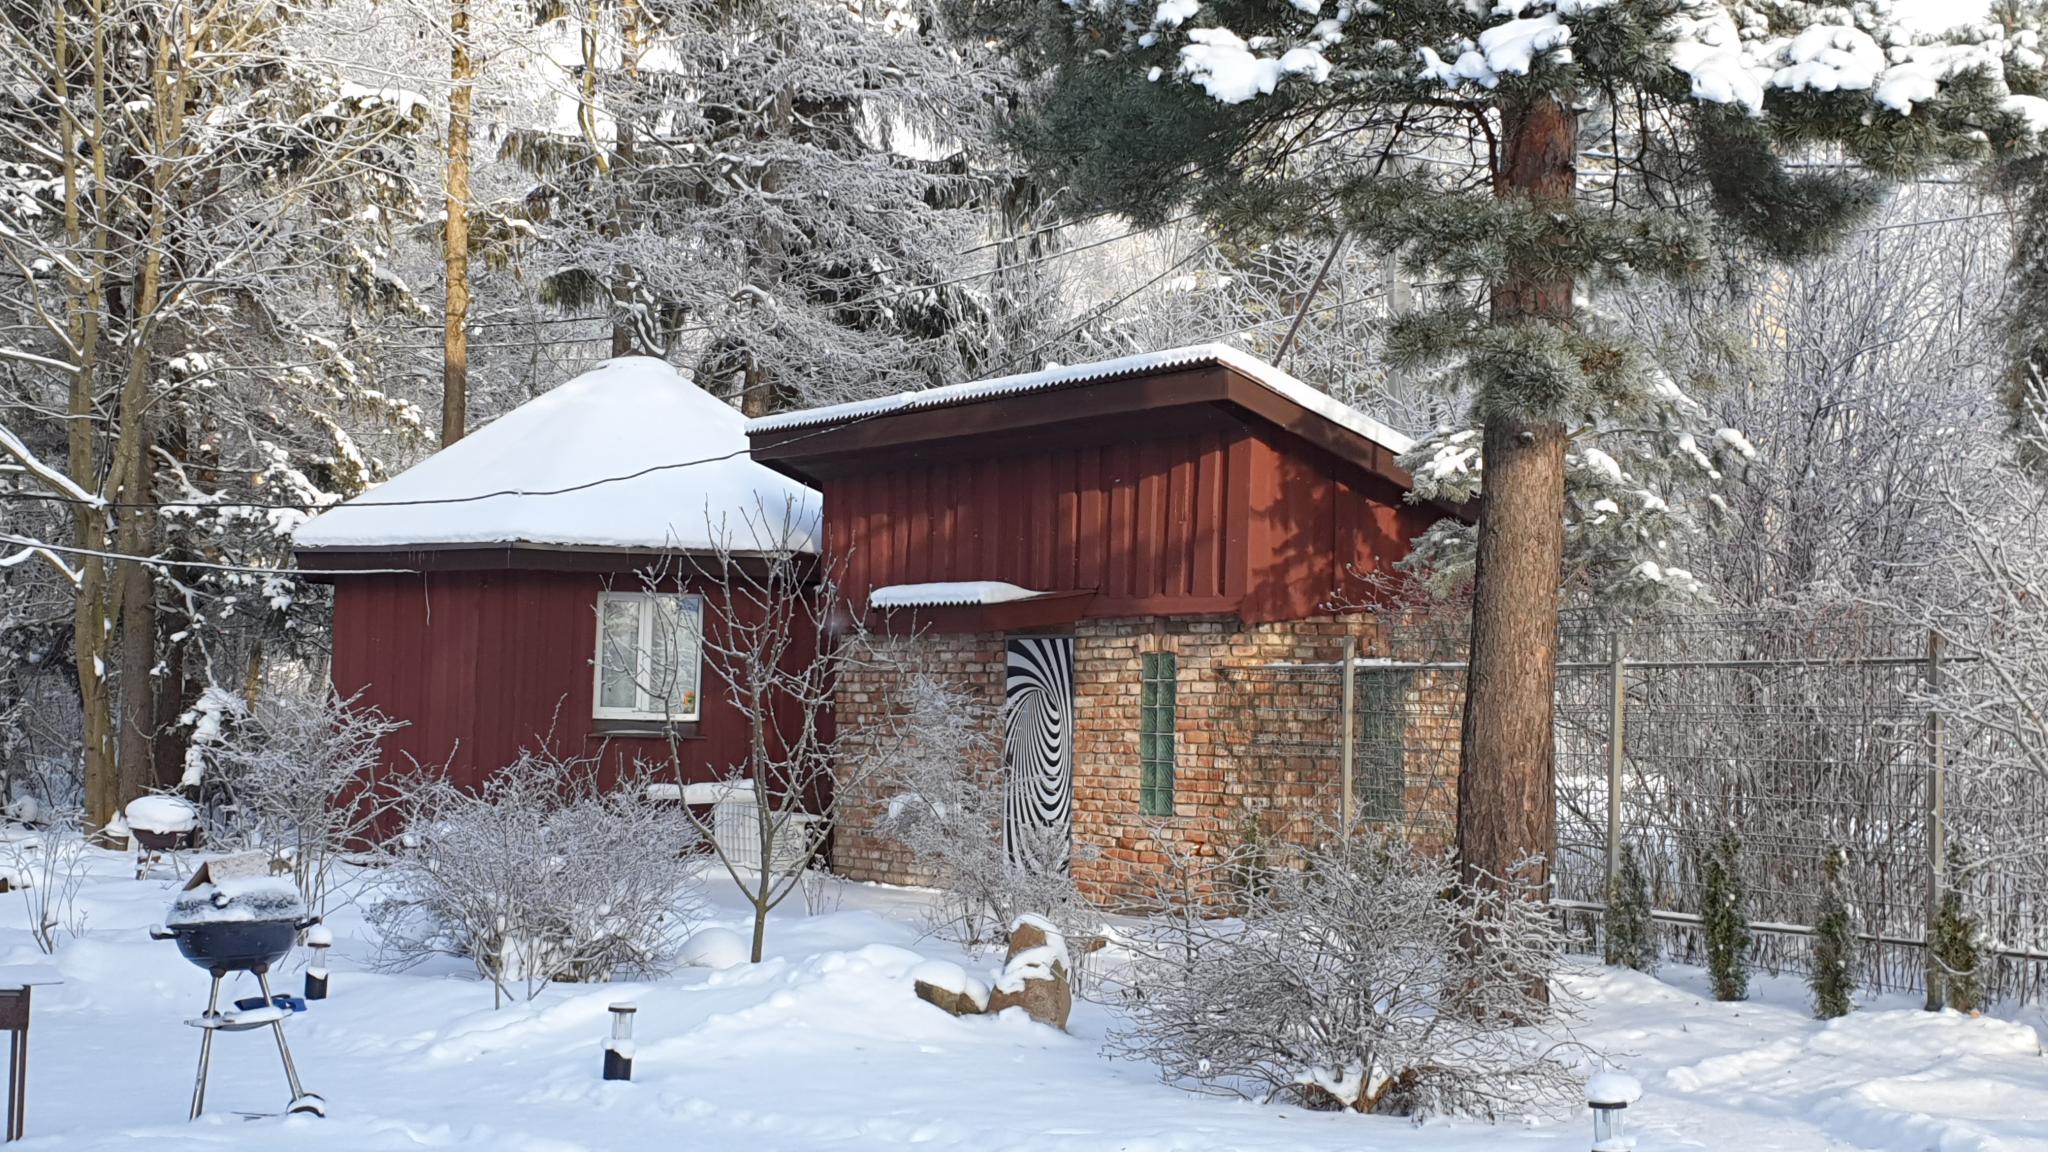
1801	736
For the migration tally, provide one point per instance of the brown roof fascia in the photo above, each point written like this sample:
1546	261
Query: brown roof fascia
319	564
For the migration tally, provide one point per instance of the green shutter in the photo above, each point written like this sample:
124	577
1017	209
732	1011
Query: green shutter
1155	733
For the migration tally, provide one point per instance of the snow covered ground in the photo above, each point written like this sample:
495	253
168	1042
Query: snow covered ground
824	1047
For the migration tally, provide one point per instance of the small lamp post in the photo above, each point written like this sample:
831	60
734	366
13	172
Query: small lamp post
1609	1094
618	1051
319	938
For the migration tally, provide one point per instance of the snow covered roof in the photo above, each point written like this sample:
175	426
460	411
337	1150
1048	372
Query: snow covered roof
948	594
1267	376
629	455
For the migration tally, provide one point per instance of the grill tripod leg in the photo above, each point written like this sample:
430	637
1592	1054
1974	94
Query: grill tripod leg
291	1071
205	1050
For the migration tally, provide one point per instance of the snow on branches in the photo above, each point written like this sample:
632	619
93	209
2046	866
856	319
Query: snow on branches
1360	975
1733	54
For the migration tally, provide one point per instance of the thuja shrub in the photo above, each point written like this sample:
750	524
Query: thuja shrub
1958	952
1631	940
1833	971
1724	918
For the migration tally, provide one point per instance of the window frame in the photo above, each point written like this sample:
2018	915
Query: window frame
690	602
1158	724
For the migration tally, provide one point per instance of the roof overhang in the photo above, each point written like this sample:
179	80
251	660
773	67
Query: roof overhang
817	444
324	565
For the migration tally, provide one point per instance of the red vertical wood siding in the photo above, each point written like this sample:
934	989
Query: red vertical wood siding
482	664
1248	519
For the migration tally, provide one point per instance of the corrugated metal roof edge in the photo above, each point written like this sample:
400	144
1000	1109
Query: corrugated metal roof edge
1271	377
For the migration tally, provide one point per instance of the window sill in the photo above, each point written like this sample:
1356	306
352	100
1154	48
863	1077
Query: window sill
658	729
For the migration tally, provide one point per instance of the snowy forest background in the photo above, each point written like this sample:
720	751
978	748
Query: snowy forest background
800	201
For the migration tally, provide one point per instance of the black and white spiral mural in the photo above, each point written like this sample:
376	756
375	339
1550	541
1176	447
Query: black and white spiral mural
1038	753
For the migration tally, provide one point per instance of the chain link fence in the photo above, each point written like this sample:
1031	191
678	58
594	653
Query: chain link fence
1802	736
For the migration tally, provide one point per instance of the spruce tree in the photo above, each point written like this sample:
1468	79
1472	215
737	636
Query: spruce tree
1528	156
1958	958
1631	935
1724	918
1833	975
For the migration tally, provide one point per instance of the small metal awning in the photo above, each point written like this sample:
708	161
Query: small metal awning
972	606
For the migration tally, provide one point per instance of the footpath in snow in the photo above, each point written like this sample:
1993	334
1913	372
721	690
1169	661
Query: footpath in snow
823	1046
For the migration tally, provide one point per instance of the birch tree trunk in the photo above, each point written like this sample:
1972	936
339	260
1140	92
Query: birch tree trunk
1506	803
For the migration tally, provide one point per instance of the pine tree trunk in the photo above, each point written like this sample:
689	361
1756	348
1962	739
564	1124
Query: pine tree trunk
455	236
1507	808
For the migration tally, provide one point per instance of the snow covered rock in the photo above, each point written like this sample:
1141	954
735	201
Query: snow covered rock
719	948
1035	974
947	986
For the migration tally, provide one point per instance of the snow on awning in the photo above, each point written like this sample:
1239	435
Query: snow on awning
1266	375
703	792
949	594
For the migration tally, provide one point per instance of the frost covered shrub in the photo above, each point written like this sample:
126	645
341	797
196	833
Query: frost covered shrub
47	868
1724	918
1832	974
543	876
298	774
1631	934
1955	941
1362	976
945	802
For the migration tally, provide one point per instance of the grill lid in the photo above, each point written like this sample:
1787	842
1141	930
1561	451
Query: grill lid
242	899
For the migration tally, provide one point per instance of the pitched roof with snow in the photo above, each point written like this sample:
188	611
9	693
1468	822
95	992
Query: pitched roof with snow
629	455
1266	375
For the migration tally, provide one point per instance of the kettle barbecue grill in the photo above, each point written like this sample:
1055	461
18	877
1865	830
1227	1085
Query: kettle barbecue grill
244	924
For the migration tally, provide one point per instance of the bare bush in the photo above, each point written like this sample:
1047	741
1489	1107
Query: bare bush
1360	975
945	806
47	867
774	638
299	774
549	873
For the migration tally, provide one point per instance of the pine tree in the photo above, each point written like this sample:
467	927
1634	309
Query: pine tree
1631	935
1724	918
1833	975
1954	940
1452	136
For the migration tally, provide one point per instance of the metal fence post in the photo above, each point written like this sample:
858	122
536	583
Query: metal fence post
1937	824
1348	806
1617	719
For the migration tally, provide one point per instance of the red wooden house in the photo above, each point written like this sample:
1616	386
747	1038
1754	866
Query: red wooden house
514	614
1094	548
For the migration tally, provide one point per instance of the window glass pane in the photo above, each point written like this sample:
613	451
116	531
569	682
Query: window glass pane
1155	734
618	652
676	645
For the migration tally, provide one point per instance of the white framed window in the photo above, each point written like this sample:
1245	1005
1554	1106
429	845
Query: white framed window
649	648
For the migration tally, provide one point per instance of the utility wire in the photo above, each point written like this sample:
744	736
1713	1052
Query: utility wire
161	562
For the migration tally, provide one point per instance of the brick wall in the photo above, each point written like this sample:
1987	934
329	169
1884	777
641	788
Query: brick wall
1256	750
